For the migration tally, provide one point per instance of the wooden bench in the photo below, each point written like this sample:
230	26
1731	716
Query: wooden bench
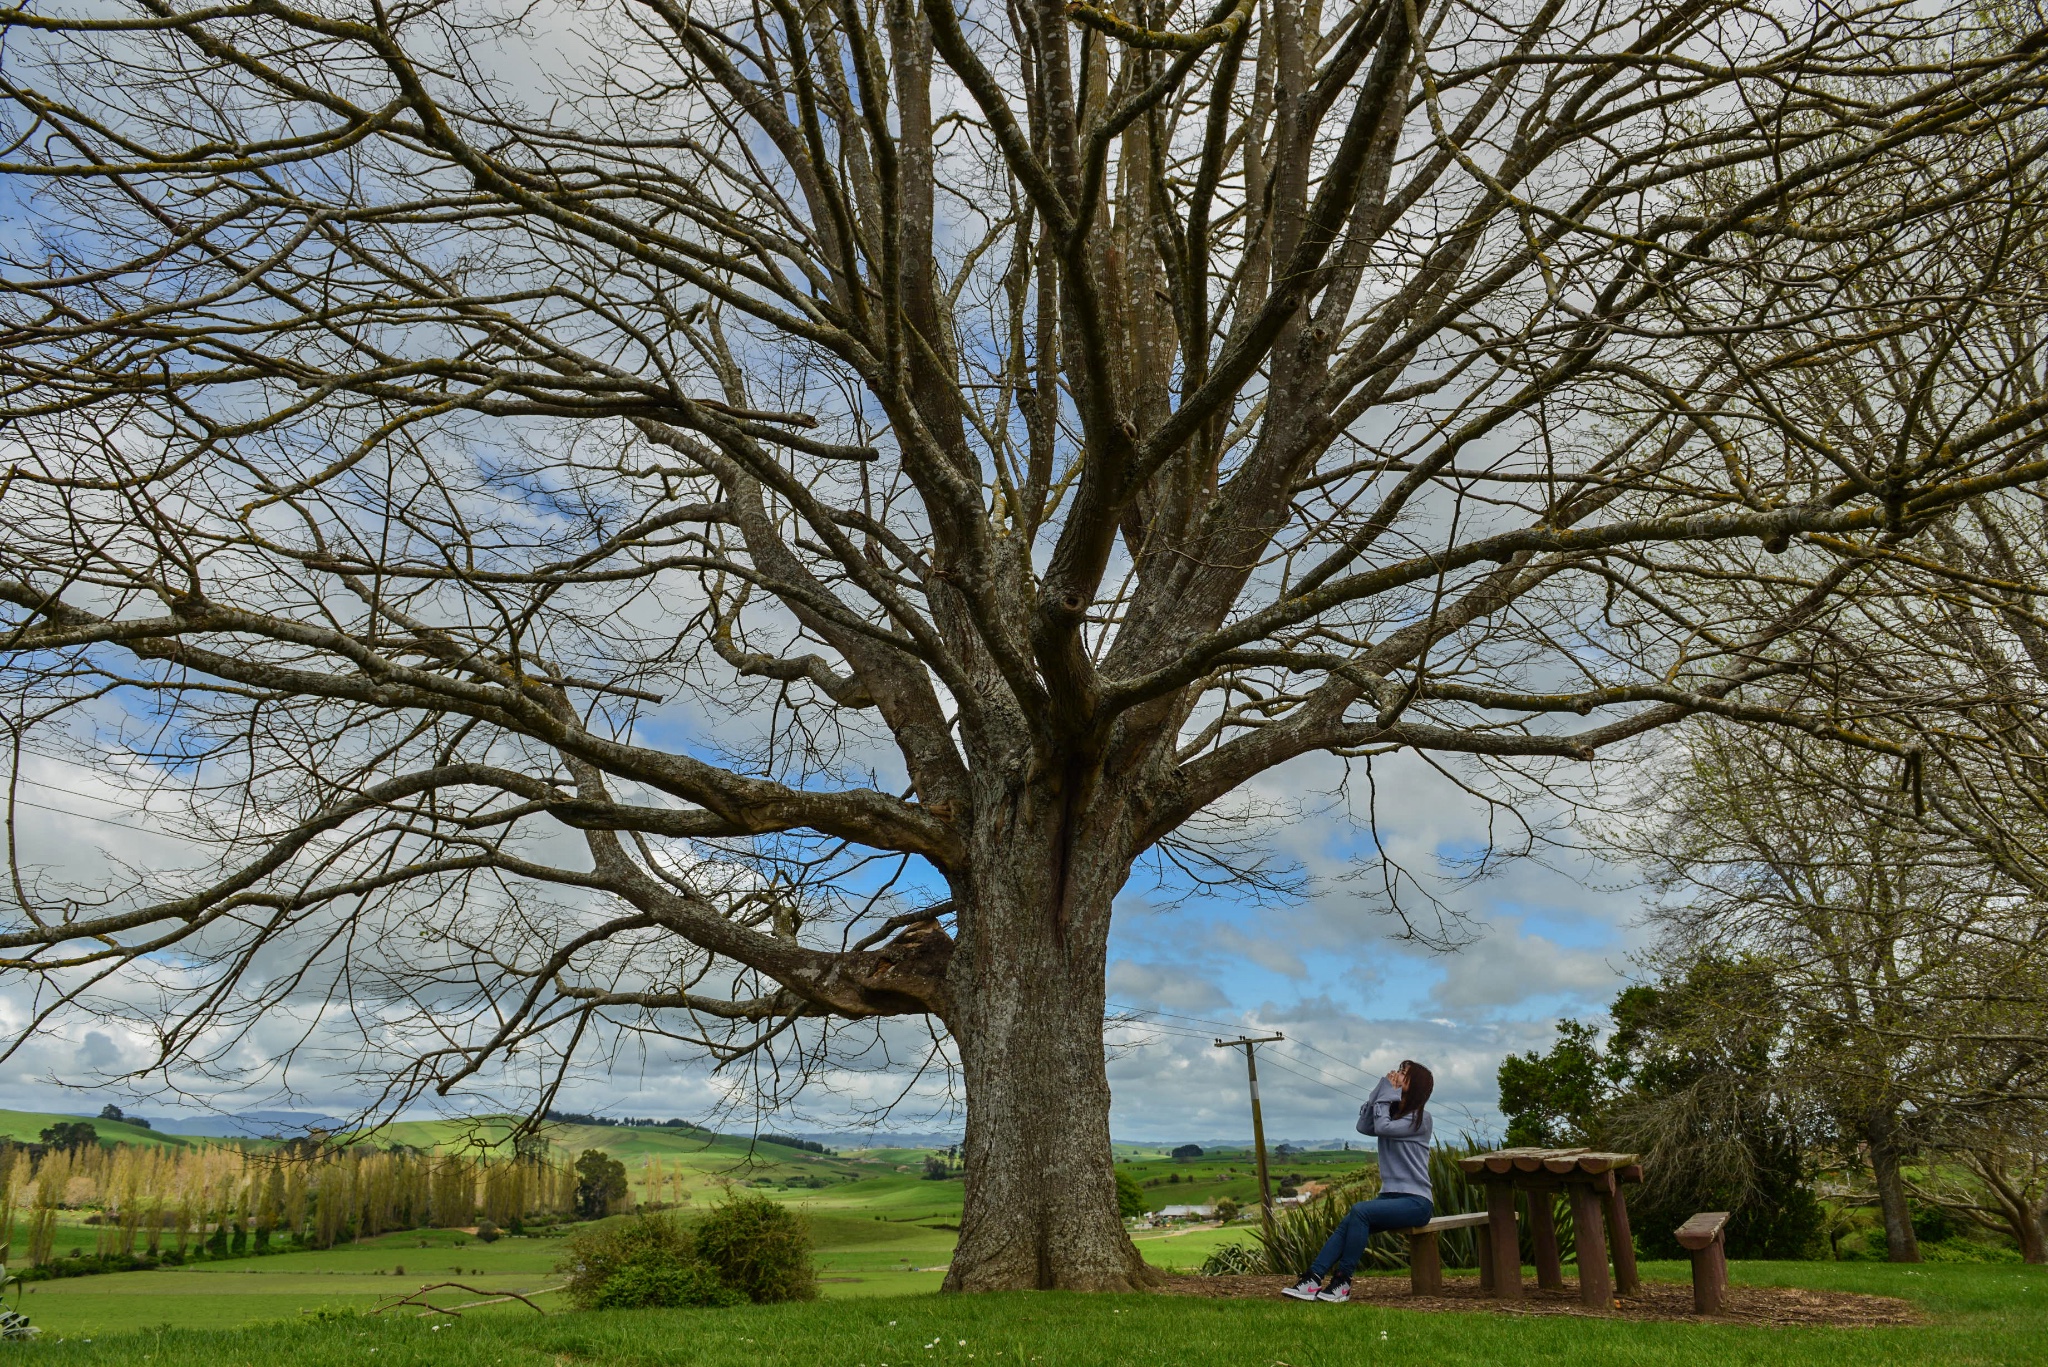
1705	1237
1425	1258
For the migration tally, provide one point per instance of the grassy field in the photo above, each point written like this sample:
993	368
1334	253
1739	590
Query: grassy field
856	1255
883	1235
1981	1315
1215	1175
26	1127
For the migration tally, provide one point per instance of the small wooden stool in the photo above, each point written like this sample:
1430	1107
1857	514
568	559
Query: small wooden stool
1705	1237
1425	1258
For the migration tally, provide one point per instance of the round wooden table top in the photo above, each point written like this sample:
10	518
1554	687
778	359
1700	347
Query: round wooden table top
1555	1162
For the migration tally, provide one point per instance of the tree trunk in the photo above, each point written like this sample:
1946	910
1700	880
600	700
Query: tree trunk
1027	978
1901	1244
2027	1224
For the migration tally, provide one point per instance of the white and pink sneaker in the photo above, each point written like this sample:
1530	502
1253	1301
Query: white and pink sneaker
1307	1289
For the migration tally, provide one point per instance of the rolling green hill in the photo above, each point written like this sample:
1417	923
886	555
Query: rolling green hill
26	1127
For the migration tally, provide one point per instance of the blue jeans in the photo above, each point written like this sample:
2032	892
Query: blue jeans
1347	1245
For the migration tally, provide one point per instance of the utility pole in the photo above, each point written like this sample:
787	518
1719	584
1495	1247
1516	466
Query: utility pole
1251	1064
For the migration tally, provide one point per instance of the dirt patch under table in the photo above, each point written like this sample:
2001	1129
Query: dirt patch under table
1773	1305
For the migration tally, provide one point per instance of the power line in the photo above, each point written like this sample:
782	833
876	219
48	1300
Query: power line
1340	1089
1198	1020
1341	1086
85	816
1349	1084
1356	1068
1365	1075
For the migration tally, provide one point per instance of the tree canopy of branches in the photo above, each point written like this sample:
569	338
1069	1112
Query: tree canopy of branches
585	518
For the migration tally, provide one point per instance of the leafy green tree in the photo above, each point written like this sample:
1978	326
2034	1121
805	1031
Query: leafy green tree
71	1135
1552	1100
1884	959
1685	1080
600	1183
1695	1059
1130	1197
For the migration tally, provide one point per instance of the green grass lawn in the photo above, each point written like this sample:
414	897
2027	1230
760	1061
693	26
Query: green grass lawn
883	1235
1981	1315
857	1256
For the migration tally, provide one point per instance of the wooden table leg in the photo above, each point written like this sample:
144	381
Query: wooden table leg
1482	1248
1543	1231
1507	1246
1589	1228
1626	1282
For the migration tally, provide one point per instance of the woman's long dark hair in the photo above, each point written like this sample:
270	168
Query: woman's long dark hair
1421	1082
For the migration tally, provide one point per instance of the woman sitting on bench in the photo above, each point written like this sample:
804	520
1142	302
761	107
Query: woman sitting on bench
1395	1116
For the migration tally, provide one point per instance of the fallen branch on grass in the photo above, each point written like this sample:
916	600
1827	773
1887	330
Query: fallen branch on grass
416	1300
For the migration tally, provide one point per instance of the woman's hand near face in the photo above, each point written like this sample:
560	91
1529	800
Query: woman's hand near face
1399	1077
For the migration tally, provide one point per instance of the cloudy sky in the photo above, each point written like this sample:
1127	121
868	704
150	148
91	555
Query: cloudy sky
1549	937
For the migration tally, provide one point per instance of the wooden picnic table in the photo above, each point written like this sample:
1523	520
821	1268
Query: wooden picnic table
1591	1181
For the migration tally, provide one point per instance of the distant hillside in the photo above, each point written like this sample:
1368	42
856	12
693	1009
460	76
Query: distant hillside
26	1127
491	1133
250	1124
876	1139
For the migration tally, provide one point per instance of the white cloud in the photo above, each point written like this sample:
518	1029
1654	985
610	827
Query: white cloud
1506	967
1273	954
1152	984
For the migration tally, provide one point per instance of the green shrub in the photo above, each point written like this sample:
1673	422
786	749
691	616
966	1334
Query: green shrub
1230	1260
760	1248
650	1279
1966	1250
649	1260
1932	1224
1298	1233
333	1314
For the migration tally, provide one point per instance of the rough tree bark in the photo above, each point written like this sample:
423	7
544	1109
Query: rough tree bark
1029	972
1880	1134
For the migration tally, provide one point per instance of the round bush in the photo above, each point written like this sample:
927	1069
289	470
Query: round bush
759	1248
648	1260
655	1279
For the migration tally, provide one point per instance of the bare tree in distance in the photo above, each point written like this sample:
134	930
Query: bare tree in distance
1898	975
1026	426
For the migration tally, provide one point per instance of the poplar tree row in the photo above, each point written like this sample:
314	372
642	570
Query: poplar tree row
223	1200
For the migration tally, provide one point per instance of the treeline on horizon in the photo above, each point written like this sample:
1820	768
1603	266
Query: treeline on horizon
788	1141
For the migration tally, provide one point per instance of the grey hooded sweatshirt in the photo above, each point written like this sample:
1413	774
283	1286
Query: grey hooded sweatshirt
1404	1143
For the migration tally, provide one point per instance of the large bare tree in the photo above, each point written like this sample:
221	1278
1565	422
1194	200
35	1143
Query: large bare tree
1027	424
